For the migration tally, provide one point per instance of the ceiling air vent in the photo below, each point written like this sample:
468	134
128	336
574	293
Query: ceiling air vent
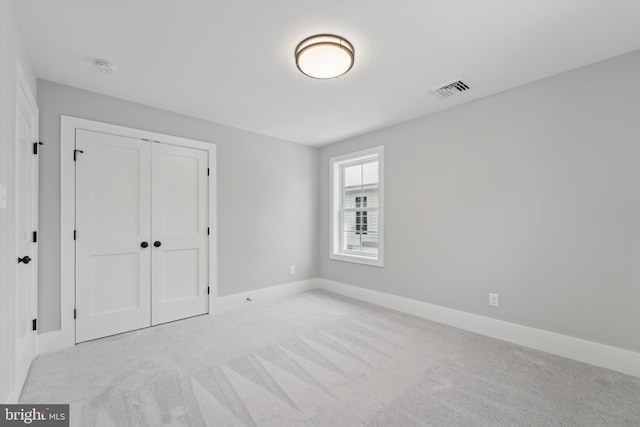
452	88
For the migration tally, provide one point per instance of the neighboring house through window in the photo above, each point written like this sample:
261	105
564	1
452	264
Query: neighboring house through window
361	216
357	211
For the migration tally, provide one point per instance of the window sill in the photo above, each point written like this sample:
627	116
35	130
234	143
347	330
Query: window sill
376	262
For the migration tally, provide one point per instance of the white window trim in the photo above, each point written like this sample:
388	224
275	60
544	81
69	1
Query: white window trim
335	195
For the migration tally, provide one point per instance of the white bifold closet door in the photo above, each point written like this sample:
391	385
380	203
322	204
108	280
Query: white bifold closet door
113	217
179	223
141	234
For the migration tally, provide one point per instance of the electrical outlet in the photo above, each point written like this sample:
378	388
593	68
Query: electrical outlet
292	269
494	300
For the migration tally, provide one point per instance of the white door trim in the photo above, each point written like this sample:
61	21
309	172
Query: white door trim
65	337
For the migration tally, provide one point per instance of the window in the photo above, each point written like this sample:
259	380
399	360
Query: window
357	207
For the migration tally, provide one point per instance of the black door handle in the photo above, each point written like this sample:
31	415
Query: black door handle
26	259
157	243
144	244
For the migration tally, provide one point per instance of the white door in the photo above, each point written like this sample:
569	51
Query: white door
113	223
180	233
26	210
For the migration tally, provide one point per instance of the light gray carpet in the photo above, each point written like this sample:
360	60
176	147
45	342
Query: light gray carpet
318	359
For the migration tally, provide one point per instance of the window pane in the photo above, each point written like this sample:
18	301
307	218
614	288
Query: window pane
363	222
351	241
360	232
372	222
370	183
370	196
353	176
351	196
349	222
369	242
370	233
352	185
370	173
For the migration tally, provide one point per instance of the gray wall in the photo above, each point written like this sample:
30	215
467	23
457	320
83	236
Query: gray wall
267	205
532	193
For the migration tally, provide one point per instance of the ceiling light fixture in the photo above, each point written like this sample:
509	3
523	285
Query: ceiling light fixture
324	56
106	66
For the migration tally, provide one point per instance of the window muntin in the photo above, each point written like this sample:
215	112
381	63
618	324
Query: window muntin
356	195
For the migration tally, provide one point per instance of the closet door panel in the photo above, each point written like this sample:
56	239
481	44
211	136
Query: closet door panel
179	224
113	217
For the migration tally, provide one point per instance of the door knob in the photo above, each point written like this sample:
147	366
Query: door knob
26	259
144	244
157	244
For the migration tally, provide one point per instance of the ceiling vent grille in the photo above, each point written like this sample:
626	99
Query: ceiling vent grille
452	88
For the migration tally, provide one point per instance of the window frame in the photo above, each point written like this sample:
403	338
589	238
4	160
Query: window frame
336	197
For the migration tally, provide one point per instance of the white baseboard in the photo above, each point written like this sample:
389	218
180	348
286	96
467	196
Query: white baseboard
262	296
53	341
617	359
605	356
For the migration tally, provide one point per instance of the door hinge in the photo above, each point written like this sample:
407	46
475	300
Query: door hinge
34	237
208	290
75	154
74	313
208	231
207	171
74	234
34	325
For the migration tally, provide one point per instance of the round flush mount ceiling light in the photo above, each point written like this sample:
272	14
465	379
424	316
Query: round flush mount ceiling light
106	66
324	56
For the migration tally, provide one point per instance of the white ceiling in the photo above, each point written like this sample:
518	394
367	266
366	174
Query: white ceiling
232	62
